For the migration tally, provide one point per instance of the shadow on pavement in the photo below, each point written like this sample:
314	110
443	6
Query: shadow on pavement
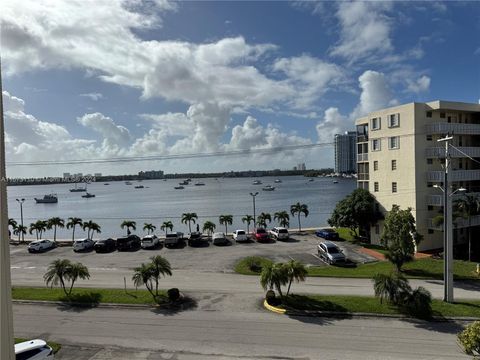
186	303
440	326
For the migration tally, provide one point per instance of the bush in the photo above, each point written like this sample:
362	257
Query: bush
418	303
173	294
470	338
270	296
391	287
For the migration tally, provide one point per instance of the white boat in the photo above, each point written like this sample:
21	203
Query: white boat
278	181
199	184
268	188
47	199
185	182
335	181
179	187
78	189
88	195
128	183
257	182
139	187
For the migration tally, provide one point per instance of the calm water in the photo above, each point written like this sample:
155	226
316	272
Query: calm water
159	202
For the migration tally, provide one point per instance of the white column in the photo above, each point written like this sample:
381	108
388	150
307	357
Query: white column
6	318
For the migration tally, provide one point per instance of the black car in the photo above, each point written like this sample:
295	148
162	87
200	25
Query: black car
105	245
196	239
131	242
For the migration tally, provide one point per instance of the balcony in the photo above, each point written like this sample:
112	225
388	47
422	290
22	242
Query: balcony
451	128
458	223
437	200
456	175
362	157
439	152
364	176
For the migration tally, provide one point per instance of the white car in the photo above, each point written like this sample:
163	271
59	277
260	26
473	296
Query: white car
33	350
219	238
83	245
279	233
173	239
240	235
40	245
150	242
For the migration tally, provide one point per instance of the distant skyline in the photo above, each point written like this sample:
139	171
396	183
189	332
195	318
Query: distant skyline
99	79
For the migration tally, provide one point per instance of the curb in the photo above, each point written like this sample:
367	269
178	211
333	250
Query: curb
273	308
82	305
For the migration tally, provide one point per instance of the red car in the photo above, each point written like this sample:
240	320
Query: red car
261	235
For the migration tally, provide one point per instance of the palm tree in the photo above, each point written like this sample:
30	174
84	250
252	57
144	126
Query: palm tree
263	218
62	271
149	274
283	218
209	227
149	228
274	275
390	287
299	209
13	224
54	223
167	225
20	230
188	218
39	227
72	223
469	206
247	219
92	228
296	271
128	224
226	220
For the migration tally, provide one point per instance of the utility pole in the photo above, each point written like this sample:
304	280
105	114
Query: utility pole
20	201
447	228
7	351
254	215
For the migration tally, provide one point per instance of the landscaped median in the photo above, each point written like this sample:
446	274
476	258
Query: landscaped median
350	305
426	268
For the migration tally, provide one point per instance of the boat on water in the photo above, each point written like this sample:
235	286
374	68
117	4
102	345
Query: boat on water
88	195
310	180
268	188
278	181
199	184
106	184
335	181
256	182
139	187
78	189
128	183
47	199
185	182
178	187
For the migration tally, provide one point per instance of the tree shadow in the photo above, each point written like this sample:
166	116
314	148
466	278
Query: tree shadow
473	285
179	245
438	324
169	308
290	240
199	244
79	302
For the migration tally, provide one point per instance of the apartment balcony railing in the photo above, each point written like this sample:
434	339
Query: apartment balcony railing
458	223
437	200
439	152
453	128
363	176
362	138
362	157
456	175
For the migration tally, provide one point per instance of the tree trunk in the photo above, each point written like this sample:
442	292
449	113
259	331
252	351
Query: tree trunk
71	287
299	225
73	234
289	284
469	239
55	233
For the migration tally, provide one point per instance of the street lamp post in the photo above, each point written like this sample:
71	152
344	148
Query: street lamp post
20	201
254	215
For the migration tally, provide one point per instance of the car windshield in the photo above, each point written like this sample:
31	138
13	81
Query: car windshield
333	250
240	232
283	231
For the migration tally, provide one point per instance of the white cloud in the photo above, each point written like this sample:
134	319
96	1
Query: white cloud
375	93
113	135
12	103
364	30
333	123
422	84
93	96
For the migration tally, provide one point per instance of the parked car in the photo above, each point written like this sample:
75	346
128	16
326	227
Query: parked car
83	245
240	235
105	245
150	242
261	235
279	233
195	239
330	253
327	234
33	350
41	245
173	239
219	238
131	242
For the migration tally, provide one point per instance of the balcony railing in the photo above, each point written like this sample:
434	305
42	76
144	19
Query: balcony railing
456	175
458	223
451	128
437	200
439	152
362	157
365	176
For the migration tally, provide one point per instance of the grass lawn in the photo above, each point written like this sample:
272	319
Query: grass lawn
251	265
88	296
426	268
352	304
55	346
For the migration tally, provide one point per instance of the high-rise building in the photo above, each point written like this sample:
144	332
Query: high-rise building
400	161
346	152
301	166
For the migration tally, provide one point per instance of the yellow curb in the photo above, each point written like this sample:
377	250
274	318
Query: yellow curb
273	308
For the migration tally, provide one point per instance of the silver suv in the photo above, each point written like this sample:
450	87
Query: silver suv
330	253
279	233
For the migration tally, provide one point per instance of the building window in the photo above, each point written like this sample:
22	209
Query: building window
376	123
394	164
394	187
429	138
376	145
375	186
394	142
429	207
430	231
429	114
429	161
375	165
393	120
377	229
442	115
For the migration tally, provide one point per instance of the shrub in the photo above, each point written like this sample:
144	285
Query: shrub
418	303
391	287
470	338
173	294
270	296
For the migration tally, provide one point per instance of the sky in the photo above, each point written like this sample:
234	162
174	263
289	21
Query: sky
109	79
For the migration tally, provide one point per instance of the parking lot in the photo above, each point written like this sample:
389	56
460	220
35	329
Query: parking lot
209	258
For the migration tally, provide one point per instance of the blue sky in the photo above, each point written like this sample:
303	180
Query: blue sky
106	79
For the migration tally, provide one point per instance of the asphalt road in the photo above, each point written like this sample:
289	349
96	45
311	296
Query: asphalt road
150	334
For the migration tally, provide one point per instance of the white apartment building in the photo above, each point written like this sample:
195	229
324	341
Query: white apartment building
399	161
